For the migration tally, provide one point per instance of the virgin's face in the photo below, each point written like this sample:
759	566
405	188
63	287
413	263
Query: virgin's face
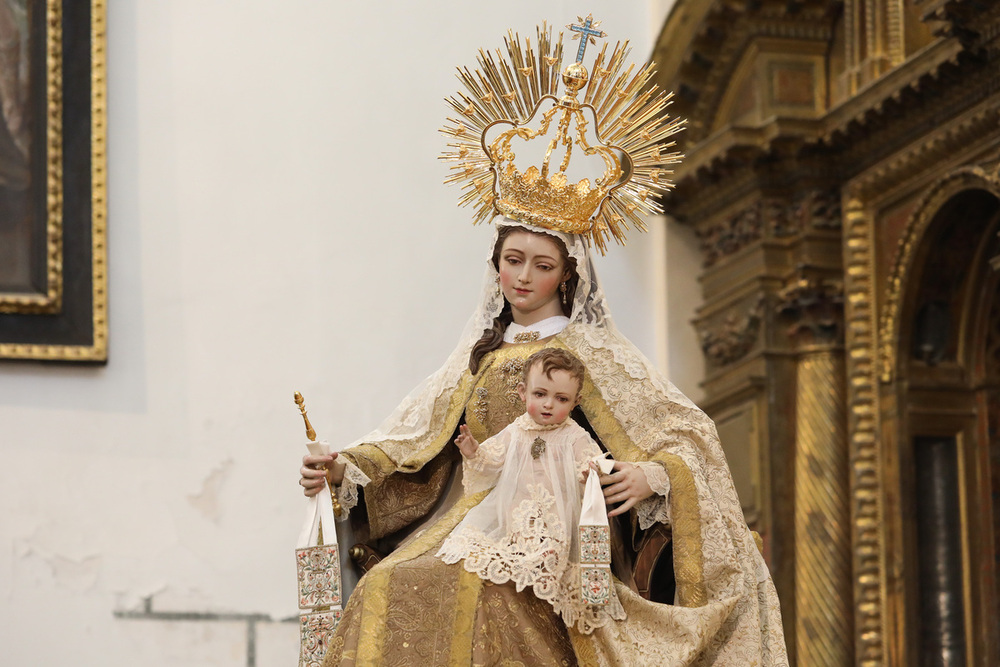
530	273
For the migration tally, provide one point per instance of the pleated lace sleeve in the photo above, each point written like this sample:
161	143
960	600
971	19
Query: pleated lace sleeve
481	472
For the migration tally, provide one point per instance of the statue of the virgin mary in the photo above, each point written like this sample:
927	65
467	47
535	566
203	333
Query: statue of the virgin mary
540	290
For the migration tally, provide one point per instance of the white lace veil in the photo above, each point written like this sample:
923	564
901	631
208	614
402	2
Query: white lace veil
590	315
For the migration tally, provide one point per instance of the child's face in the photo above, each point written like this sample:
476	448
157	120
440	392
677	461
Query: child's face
549	400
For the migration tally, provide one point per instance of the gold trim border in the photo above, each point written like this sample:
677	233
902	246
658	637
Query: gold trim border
51	301
98	350
863	429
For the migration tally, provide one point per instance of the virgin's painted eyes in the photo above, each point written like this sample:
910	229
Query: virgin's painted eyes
539	394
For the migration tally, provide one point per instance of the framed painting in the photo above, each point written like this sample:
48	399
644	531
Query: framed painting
53	208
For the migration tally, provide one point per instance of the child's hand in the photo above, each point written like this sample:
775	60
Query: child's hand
466	443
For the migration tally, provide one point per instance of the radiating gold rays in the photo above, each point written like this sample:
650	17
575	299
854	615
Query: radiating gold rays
629	108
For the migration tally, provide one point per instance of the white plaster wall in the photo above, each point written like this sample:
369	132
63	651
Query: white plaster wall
277	222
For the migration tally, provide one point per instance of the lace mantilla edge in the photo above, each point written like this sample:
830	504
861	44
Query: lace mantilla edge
347	492
654	509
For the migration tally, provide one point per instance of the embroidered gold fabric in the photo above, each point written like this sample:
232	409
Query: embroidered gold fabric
414	609
716	560
399	499
495	402
725	615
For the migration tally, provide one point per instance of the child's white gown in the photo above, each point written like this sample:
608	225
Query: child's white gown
525	530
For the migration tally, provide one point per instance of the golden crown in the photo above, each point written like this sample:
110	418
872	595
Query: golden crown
626	113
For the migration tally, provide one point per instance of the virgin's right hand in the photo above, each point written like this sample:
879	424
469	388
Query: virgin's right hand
316	470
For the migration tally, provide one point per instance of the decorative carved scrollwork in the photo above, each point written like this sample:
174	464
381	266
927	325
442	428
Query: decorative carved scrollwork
732	235
769	218
815	308
734	337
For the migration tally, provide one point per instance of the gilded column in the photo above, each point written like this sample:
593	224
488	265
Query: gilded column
863	436
824	628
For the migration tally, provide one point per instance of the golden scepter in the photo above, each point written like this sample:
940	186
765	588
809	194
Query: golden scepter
311	434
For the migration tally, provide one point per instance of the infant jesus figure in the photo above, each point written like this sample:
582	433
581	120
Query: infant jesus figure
525	530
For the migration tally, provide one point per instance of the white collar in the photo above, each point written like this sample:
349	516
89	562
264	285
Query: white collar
550	326
528	424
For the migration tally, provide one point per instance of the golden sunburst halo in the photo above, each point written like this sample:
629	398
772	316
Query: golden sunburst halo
630	114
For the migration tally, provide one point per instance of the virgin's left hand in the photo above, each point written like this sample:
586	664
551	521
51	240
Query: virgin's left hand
626	485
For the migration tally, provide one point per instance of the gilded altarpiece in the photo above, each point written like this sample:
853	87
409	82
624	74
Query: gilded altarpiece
842	172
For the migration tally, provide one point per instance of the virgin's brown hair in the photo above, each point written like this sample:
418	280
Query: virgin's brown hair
492	338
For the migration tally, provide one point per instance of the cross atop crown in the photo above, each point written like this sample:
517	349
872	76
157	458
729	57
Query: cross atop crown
585	32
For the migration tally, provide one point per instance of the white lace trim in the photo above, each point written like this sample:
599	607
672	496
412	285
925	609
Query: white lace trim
530	555
654	509
528	424
347	492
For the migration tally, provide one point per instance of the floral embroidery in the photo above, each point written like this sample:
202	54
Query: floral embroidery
595	545
315	631
319	576
595	582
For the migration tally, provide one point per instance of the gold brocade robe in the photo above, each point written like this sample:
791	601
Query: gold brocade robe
413	609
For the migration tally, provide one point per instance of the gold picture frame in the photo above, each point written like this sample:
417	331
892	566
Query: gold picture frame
53	250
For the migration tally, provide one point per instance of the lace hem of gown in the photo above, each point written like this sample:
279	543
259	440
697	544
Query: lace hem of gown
529	556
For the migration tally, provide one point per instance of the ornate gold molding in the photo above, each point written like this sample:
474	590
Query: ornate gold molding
51	300
928	154
768	218
713	36
735	232
97	350
99	175
983	176
863	437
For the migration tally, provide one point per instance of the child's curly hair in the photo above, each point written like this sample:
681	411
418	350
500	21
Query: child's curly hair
555	359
